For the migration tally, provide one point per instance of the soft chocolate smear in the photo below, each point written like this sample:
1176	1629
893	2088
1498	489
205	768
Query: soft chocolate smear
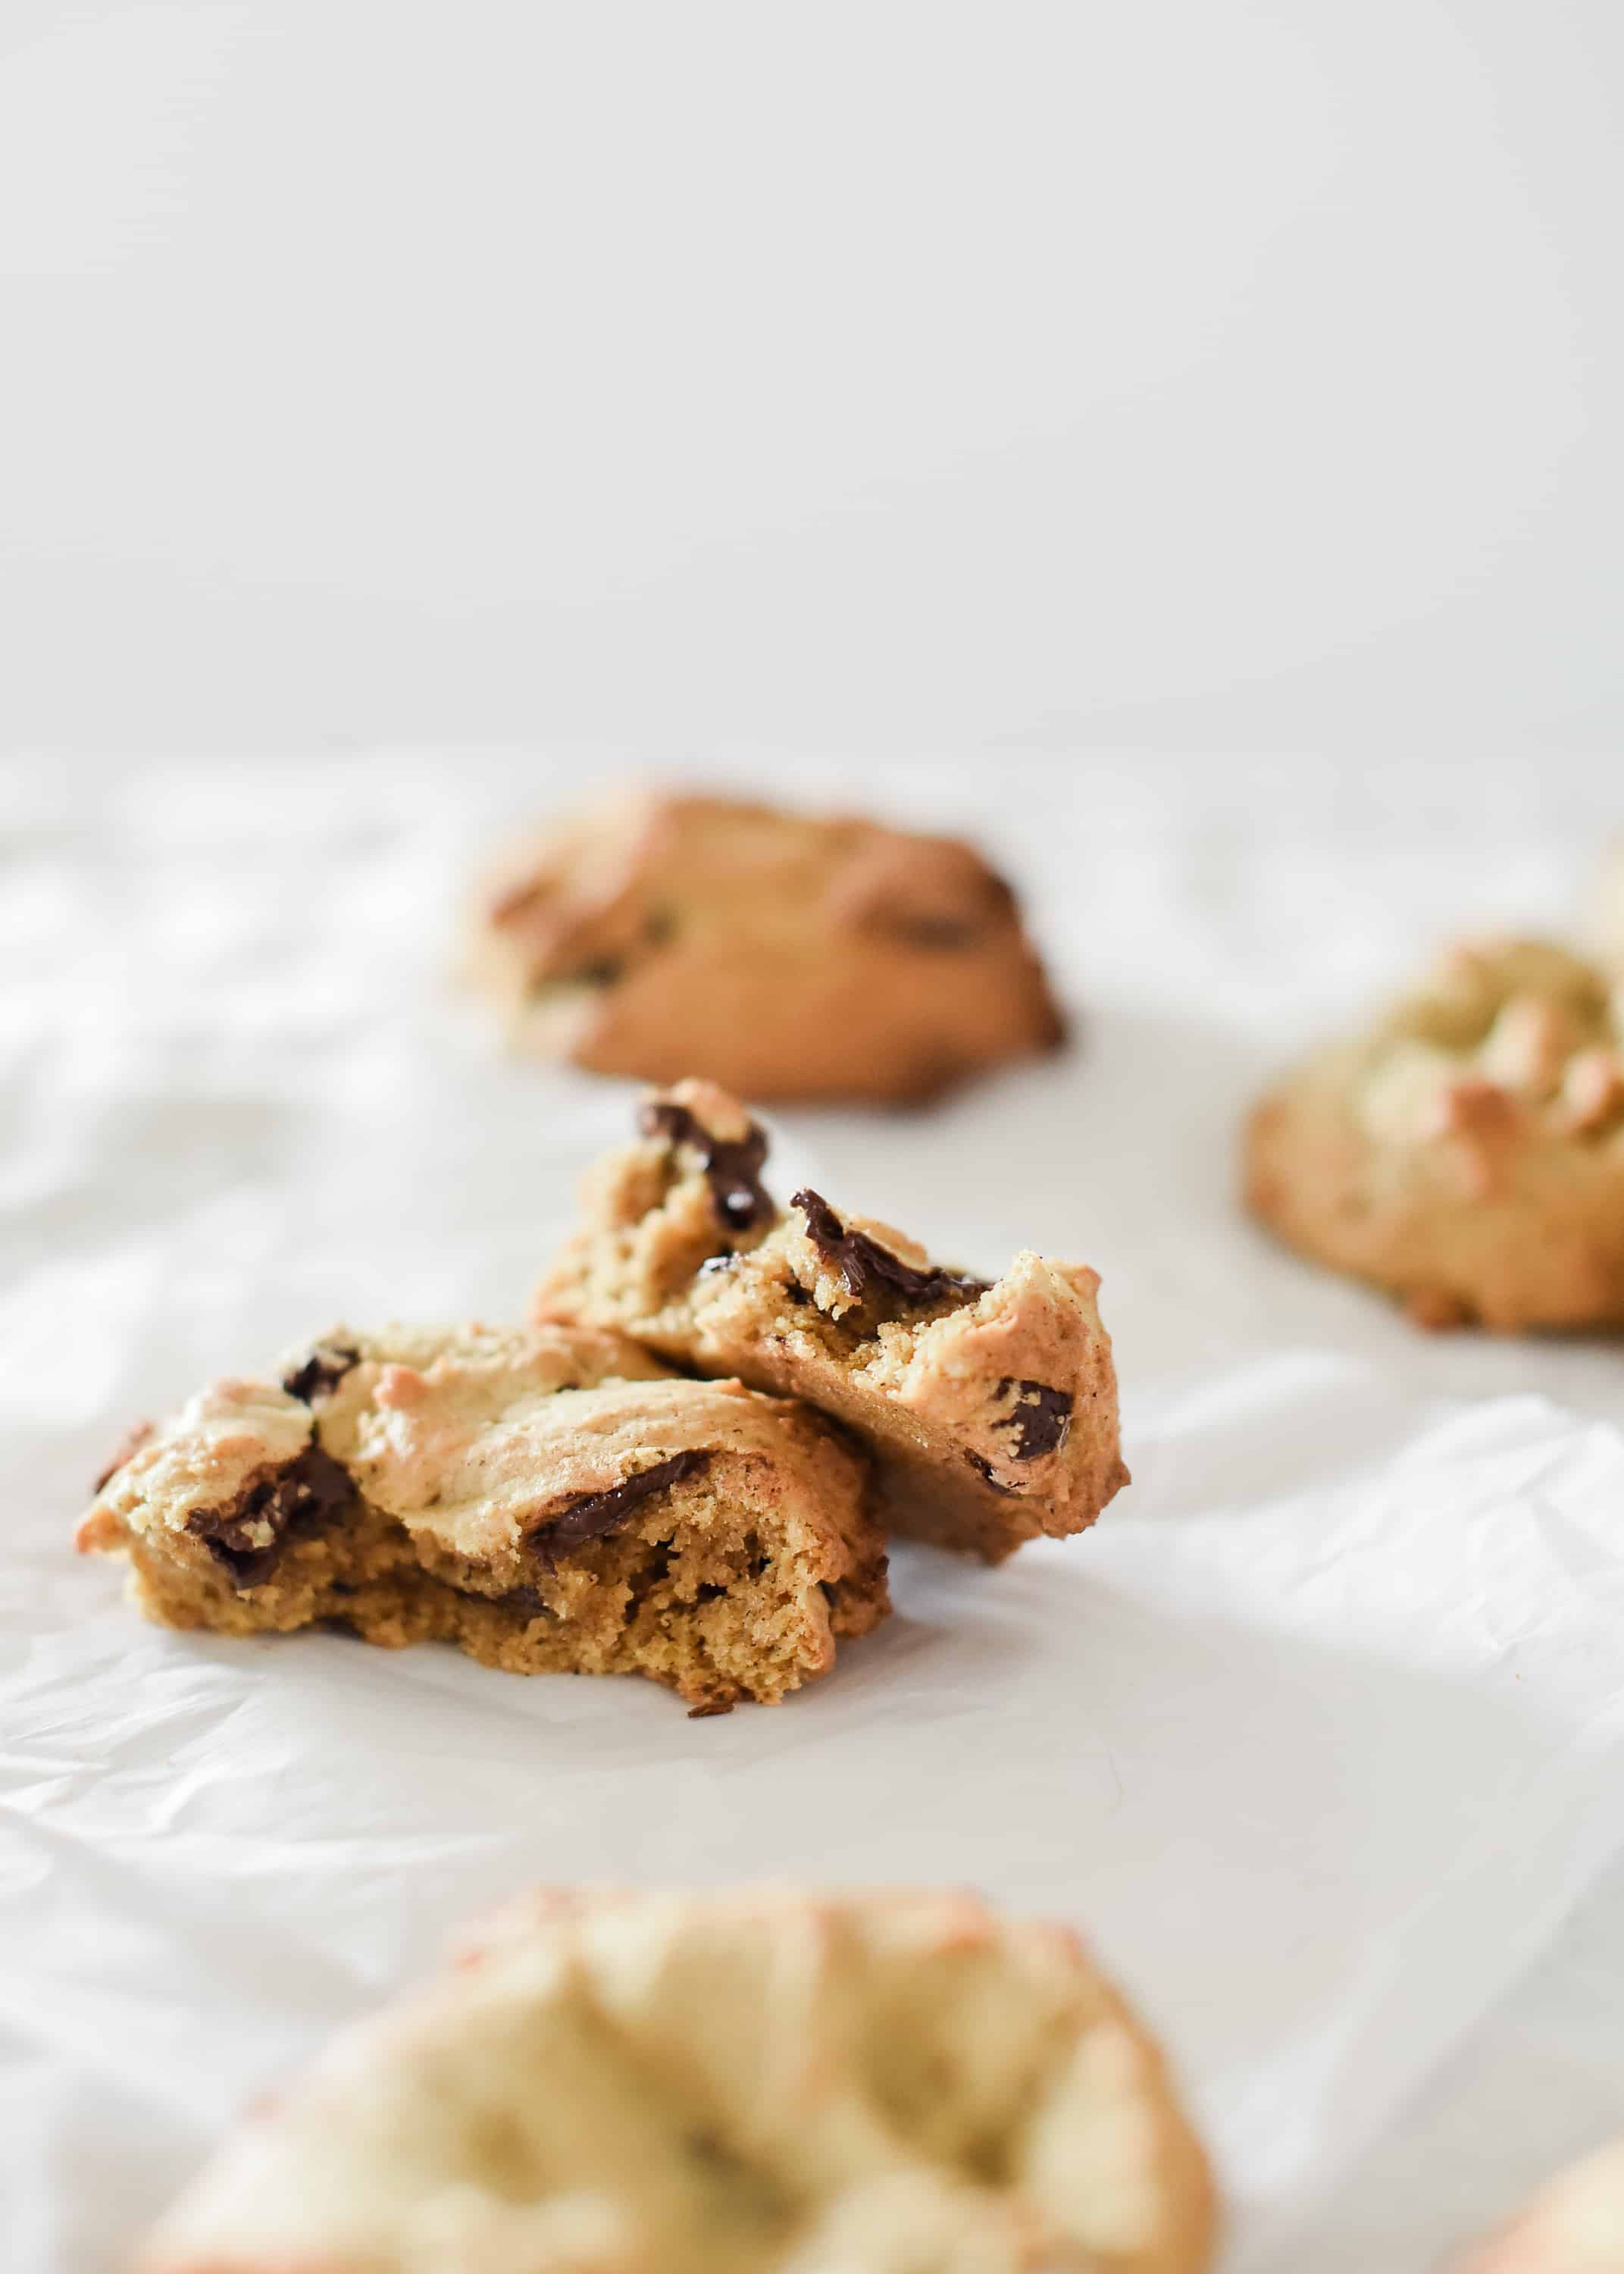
319	1374
731	1165
300	1497
599	1514
131	1444
861	1260
1042	1420
984	1470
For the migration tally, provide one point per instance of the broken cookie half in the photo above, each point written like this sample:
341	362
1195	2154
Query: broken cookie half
990	1409
550	1500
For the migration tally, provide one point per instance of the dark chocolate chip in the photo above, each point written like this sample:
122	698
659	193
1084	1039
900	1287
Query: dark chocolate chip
299	1497
599	1514
731	1165
131	1444
599	971
320	1373
858	1259
983	1469
1042	1419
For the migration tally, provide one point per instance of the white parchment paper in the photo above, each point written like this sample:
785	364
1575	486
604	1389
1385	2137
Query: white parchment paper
1320	1735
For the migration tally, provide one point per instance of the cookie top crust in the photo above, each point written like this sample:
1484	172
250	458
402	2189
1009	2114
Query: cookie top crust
763	2082
493	1447
991	1406
785	955
1537	1026
1468	1150
499	1450
206	1462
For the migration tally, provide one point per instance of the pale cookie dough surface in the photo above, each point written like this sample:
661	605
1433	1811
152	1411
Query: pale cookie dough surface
1467	1155
1575	2225
990	1410
760	2082
547	1499
786	956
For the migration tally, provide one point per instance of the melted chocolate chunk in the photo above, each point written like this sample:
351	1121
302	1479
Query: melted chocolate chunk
599	1514
731	1165
1042	1420
247	1537
320	1373
983	1469
859	1260
134	1441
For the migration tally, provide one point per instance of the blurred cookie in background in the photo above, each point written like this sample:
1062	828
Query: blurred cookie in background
785	957
1466	1153
1575	2225
760	2081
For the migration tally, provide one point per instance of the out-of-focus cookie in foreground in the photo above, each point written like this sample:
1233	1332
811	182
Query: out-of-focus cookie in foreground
1575	2225
548	1501
990	1410
761	2082
784	956
1467	1153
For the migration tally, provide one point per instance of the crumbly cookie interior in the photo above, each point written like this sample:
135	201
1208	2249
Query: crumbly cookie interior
690	1592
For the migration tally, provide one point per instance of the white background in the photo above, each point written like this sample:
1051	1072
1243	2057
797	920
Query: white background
1048	373
1177	442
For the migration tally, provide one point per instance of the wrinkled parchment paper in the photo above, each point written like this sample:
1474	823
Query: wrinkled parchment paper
1319	1736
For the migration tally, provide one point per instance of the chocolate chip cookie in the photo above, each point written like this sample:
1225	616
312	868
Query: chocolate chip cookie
761	2082
547	1500
786	957
1467	1153
990	1409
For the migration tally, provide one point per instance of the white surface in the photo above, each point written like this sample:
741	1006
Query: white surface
1320	1735
1192	372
